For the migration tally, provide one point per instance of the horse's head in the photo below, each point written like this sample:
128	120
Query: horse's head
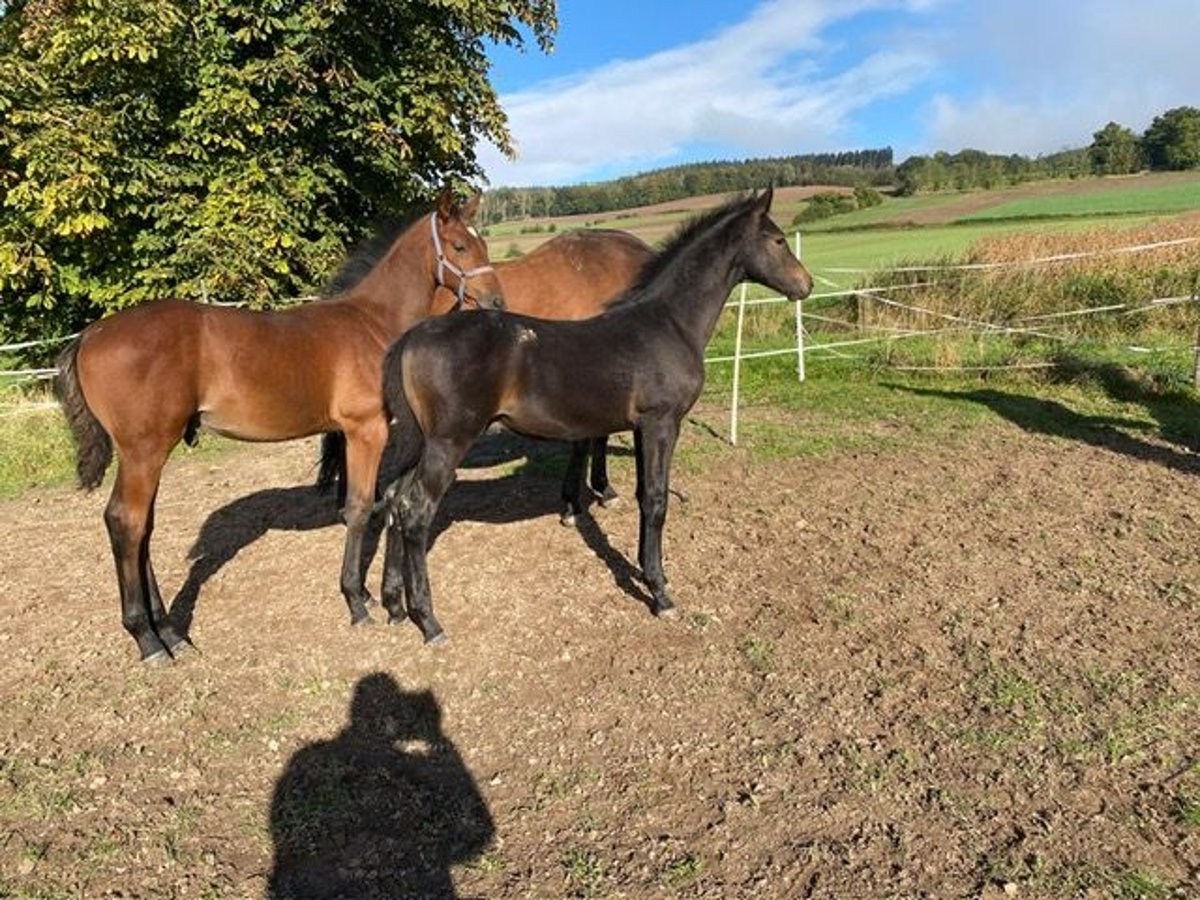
766	256
461	255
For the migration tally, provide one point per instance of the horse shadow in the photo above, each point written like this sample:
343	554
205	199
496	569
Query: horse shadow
235	526
530	490
1113	433
383	809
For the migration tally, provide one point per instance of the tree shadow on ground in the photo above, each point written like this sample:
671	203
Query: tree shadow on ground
382	810
1052	417
1174	409
531	490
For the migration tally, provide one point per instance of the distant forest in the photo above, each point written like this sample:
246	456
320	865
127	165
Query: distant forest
852	168
1172	141
858	168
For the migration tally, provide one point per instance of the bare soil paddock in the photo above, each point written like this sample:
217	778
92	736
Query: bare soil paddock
972	671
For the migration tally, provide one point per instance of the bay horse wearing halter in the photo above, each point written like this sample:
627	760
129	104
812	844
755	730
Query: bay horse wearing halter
147	377
638	366
571	276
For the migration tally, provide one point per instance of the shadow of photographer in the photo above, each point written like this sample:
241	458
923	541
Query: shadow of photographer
382	810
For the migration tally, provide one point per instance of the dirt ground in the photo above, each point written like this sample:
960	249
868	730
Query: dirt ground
966	670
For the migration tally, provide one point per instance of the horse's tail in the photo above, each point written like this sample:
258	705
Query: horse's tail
333	460
406	438
93	445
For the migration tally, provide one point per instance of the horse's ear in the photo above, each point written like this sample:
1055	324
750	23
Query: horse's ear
470	208
762	203
447	205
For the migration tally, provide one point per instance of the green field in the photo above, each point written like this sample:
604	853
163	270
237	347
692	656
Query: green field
1135	199
924	227
871	248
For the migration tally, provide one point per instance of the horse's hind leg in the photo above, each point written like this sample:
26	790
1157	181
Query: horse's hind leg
364	447
159	618
394	562
572	486
129	519
599	478
417	506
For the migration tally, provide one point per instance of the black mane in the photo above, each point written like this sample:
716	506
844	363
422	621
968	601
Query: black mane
367	254
682	239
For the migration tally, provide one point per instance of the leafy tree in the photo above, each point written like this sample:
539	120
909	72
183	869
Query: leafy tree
227	149
1173	139
866	197
822	206
1114	151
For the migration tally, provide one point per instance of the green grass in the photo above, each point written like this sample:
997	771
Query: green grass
884	247
36	448
1128	199
35	444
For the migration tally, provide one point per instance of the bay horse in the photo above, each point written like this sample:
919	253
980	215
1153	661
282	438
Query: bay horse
638	366
149	376
571	276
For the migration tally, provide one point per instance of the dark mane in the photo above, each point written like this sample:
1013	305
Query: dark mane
680	240
367	254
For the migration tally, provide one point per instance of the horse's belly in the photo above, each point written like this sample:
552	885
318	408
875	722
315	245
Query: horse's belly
269	421
568	423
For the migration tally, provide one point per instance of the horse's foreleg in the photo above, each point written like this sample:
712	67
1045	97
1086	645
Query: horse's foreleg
364	447
572	486
599	477
129	519
655	445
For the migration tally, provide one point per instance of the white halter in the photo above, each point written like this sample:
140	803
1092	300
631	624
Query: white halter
443	264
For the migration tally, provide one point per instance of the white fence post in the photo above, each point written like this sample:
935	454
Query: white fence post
737	364
799	326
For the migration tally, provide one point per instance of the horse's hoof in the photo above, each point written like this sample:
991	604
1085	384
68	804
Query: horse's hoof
567	520
157	659
436	640
361	621
183	648
609	498
663	608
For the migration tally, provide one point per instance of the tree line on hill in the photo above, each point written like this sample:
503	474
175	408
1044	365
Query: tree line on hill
1171	142
850	168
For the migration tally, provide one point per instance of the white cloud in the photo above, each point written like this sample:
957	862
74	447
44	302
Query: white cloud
1035	77
756	88
800	76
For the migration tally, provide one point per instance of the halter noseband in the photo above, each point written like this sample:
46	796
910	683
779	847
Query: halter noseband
444	264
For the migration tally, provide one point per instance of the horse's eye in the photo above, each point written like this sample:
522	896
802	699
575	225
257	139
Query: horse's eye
460	248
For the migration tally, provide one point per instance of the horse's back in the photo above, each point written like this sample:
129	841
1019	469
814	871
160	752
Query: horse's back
249	374
573	275
472	368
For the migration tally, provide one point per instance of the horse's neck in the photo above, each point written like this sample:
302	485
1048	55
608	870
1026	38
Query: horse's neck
399	291
696	286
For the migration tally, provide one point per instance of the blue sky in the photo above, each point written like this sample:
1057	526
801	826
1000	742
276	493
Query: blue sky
637	84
